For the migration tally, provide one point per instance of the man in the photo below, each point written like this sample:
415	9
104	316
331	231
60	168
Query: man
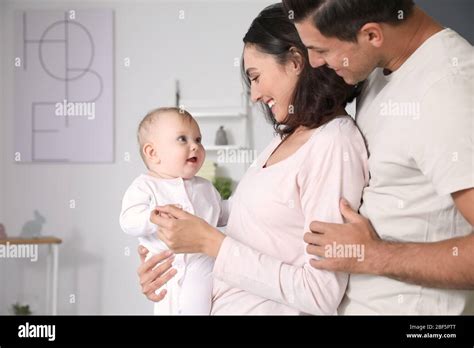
416	113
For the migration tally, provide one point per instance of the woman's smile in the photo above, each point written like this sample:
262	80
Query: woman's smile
271	103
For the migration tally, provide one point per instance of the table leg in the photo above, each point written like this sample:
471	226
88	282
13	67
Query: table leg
48	280
55	270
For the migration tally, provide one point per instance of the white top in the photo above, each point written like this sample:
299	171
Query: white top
417	123
196	196
262	266
190	291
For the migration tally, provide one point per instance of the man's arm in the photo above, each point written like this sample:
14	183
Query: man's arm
444	264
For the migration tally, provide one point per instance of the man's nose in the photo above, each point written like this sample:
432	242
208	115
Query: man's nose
316	60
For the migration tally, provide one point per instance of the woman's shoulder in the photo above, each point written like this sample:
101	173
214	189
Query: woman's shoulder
340	132
337	141
341	125
339	129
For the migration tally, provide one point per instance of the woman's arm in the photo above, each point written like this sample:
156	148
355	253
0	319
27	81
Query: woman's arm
305	288
340	171
335	167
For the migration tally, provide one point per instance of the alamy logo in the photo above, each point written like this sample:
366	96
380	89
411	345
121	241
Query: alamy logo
345	251
37	331
85	109
17	251
236	156
398	108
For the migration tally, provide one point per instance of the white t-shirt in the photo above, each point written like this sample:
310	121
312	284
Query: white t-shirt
190	290
418	126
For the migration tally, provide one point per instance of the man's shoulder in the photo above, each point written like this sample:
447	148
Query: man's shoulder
444	55
447	56
445	59
450	45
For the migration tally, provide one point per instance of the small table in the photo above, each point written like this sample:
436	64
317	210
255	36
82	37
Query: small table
52	266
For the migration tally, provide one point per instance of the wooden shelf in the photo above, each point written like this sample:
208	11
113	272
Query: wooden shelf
39	240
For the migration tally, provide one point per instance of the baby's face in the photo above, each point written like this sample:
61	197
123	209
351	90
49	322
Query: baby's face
178	146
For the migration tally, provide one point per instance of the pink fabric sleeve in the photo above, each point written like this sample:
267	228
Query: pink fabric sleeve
337	168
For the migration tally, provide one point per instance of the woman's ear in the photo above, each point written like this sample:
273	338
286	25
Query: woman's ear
297	60
150	153
372	34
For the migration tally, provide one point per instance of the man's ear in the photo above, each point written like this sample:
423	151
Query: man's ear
372	34
297	59
150	153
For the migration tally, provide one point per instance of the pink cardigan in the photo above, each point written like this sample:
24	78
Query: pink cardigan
262	266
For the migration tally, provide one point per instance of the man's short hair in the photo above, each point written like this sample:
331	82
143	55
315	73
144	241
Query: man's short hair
343	19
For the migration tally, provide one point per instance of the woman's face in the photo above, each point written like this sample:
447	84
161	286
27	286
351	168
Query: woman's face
270	82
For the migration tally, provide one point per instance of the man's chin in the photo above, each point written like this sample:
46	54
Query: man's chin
349	80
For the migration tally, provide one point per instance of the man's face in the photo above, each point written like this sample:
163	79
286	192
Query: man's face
353	61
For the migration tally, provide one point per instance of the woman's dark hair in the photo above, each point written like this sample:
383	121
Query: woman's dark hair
343	19
319	92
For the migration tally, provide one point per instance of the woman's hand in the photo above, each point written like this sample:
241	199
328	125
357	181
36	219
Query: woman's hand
186	233
152	278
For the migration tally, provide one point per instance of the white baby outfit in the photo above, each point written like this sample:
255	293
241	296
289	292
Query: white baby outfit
190	290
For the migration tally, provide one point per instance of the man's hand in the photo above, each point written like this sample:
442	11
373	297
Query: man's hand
357	234
444	264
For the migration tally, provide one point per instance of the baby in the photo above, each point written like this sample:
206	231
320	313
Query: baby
170	146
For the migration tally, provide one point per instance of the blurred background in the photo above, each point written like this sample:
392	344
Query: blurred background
155	53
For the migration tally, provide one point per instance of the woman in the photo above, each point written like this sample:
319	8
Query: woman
317	157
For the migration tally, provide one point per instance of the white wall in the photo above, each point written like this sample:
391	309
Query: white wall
2	142
93	264
2	104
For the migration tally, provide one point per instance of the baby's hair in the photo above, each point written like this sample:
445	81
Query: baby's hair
146	124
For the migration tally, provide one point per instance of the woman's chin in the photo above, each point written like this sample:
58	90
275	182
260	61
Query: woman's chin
281	120
278	117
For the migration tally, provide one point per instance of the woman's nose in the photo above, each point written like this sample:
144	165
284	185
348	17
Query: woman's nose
255	95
